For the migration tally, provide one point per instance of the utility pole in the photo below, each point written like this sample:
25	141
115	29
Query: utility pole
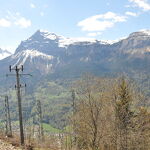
8	129
17	70
73	95
40	119
8	120
73	101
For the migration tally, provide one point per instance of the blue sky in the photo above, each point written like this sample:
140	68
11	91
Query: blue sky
100	19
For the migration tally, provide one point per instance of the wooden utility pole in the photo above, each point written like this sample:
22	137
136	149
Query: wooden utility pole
40	120
73	95
73	101
8	120
8	128
19	104
17	70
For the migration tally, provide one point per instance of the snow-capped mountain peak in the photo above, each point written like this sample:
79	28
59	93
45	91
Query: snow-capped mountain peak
43	38
48	35
63	41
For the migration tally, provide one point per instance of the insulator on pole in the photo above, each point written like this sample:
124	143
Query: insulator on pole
10	68
16	68
22	68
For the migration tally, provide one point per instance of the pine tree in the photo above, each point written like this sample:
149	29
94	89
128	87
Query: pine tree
123	113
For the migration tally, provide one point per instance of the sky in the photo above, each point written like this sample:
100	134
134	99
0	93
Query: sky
99	19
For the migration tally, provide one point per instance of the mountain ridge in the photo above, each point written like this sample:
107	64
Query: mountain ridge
49	54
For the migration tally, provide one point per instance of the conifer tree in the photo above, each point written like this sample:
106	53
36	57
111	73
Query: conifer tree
123	113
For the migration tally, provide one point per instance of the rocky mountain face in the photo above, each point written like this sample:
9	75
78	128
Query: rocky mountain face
48	54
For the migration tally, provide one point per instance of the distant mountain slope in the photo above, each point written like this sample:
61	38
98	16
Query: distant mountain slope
49	54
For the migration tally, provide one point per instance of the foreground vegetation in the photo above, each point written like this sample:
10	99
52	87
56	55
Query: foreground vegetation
96	114
108	115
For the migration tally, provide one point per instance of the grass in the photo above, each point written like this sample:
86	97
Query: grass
46	127
50	129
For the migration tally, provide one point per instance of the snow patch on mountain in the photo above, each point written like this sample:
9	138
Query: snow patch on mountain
65	42
24	55
31	53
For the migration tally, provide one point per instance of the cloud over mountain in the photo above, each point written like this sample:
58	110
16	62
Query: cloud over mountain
101	22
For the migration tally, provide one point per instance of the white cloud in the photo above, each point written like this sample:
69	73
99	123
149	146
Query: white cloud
5	23
141	4
42	14
101	22
14	19
131	14
32	5
93	34
23	22
94	25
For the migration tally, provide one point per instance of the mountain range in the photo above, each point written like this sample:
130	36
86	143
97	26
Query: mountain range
48	54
